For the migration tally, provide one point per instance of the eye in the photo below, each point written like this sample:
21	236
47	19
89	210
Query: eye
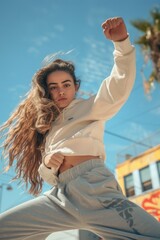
53	88
67	85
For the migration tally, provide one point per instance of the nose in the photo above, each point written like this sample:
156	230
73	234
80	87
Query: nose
61	91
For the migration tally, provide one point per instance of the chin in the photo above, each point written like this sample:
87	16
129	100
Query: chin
62	106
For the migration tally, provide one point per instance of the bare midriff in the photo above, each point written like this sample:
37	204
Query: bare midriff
71	161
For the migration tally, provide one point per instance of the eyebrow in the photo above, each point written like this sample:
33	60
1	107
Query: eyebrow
57	83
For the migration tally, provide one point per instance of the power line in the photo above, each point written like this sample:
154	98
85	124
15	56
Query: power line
127	139
140	114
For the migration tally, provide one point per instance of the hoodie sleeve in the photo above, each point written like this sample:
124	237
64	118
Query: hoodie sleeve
115	89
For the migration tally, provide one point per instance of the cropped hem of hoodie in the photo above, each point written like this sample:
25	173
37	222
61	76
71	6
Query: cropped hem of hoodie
79	128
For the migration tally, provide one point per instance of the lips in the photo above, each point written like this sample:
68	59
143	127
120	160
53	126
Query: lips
62	99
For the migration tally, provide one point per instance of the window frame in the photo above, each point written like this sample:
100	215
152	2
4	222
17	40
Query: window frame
146	185
130	192
158	168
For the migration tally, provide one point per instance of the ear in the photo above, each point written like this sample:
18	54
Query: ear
77	87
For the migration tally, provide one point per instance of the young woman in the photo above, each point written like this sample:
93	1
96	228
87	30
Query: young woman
55	137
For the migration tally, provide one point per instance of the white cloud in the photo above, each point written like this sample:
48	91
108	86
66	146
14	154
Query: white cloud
39	41
33	50
51	57
59	27
18	87
96	64
18	92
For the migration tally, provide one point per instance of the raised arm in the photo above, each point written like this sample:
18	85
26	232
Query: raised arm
116	88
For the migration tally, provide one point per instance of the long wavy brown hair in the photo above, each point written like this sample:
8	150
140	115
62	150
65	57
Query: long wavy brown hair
26	128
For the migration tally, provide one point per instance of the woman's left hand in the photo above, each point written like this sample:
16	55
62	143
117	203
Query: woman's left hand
115	29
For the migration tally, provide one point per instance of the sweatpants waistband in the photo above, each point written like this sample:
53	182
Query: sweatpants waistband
79	169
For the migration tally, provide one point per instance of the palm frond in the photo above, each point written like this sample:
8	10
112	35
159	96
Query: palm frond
142	25
150	45
153	76
142	41
155	14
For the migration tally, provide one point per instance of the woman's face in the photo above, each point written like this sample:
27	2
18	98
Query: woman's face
61	88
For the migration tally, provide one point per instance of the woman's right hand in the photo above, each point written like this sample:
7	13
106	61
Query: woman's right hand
53	161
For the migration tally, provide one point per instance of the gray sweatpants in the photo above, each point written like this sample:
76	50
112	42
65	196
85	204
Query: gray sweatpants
87	197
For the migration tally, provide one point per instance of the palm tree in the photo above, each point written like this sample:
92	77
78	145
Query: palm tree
150	45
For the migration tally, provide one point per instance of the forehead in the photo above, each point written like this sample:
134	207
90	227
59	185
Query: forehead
59	77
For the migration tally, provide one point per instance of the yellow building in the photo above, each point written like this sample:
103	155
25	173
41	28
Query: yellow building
139	178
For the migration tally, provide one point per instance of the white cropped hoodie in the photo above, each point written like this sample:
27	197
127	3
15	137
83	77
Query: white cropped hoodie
79	129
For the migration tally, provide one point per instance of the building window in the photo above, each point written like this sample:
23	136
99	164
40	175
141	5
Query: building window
158	167
129	185
145	178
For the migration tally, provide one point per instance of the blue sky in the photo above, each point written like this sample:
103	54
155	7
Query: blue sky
32	29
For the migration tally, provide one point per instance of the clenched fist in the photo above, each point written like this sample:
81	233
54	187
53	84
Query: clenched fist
54	161
115	29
